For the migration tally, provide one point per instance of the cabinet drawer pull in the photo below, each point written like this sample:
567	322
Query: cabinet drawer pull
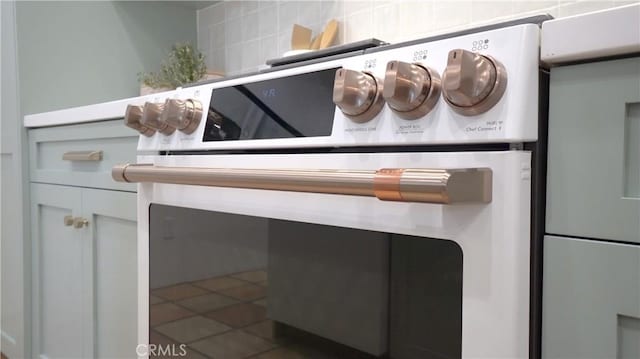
80	222
68	220
82	156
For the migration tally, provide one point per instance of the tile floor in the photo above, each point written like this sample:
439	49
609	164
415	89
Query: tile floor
222	317
226	318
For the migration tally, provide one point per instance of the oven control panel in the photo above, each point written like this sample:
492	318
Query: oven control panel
476	88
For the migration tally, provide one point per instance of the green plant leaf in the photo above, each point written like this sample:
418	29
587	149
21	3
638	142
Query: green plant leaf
184	65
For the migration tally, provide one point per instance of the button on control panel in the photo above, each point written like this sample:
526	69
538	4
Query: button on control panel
358	95
184	115
411	90
473	83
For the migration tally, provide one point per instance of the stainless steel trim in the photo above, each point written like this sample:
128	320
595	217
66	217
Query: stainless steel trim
443	186
82	156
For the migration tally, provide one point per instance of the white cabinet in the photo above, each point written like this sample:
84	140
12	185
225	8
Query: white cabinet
84	263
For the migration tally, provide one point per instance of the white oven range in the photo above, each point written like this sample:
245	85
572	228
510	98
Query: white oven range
377	205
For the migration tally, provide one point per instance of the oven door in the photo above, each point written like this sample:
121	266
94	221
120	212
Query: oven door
253	273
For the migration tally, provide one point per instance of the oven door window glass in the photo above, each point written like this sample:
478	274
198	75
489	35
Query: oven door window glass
234	286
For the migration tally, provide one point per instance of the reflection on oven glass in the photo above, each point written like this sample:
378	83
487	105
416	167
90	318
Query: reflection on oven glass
230	286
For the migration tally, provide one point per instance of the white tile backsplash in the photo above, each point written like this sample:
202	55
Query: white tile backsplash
250	55
269	48
239	36
233	9
448	14
331	9
233	64
287	15
386	21
353	6
580	7
358	25
233	31
212	14
284	42
217	58
482	10
248	7
217	36
250	26
309	13
416	19
268	21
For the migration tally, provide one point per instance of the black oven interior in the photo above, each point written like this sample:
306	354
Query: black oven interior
236	286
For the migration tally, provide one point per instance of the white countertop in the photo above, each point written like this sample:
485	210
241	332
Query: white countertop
594	35
97	112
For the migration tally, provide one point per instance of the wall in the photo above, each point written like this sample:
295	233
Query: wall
239	36
13	288
79	53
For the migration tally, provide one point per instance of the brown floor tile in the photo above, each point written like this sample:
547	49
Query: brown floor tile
191	329
261	302
177	292
220	283
190	354
207	303
239	315
161	340
232	345
281	353
245	293
255	276
155	300
166	312
263	330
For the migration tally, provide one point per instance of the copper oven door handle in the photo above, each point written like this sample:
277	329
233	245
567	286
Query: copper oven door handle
442	186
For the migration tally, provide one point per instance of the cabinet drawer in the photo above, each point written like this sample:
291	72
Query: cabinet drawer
593	187
82	155
591	299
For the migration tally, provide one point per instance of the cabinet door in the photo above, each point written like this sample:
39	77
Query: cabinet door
112	235
593	177
591	299
61	283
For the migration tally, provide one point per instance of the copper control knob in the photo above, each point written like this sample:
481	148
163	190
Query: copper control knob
184	115
132	118
151	117
472	83
411	90
358	95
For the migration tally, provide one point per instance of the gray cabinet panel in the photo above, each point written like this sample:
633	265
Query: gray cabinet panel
593	185
591	299
60	287
84	279
113	215
48	145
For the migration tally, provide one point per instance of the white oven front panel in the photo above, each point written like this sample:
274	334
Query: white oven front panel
513	119
494	237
